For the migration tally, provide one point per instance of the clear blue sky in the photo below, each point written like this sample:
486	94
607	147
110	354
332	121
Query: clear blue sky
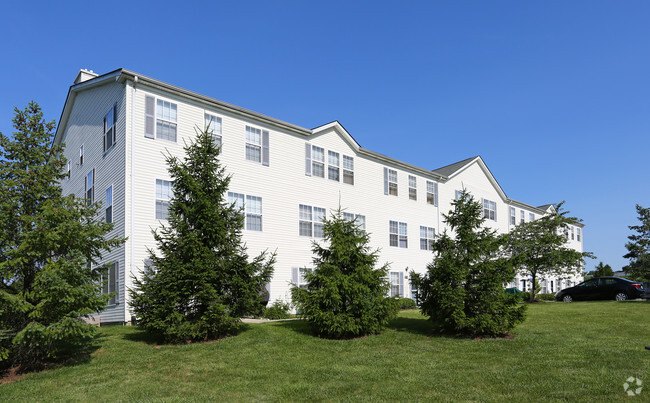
554	95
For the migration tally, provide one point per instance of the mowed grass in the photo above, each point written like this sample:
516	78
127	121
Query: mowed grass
562	352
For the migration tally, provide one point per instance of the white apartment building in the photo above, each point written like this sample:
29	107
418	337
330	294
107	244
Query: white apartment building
117	127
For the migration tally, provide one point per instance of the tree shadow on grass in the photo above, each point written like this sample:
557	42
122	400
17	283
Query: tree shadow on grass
299	326
141	335
421	326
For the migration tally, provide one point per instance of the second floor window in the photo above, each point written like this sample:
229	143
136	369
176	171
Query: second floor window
163	195
489	210
426	238
311	221
398	234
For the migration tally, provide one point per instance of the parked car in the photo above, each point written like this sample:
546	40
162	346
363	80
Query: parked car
616	288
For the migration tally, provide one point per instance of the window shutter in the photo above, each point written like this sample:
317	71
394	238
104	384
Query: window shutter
149	119
385	180
401	284
105	134
435	194
294	276
265	148
307	159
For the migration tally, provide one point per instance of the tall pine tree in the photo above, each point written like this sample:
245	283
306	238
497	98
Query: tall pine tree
639	247
46	242
462	291
346	293
201	282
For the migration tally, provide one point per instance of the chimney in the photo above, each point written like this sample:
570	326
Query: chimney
85	75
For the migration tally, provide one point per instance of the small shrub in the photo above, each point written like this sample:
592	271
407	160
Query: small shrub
525	296
546	297
407	303
278	310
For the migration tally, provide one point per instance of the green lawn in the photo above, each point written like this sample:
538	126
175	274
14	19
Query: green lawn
572	352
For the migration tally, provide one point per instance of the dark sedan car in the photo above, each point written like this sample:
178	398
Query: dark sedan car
616	288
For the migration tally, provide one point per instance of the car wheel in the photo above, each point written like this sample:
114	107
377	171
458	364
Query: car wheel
567	298
621	296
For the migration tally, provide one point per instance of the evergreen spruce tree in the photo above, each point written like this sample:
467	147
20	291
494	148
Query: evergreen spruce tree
345	295
46	284
639	247
201	282
462	291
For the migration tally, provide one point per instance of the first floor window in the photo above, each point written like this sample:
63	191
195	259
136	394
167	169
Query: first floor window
426	238
348	170
109	204
163	195
396	284
489	210
513	218
398	234
110	282
311	221
413	191
333	164
253	213
213	127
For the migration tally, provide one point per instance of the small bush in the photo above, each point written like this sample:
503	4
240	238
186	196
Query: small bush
525	296
278	310
407	303
546	297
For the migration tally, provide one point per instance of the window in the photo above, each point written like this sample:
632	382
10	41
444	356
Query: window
68	170
163	194
578	231
413	188
165	120
333	166
432	193
257	145
318	161
459	194
110	283
360	219
390	182
522	216
311	221
149	267
573	233
253	213
252	209
426	238
348	170
213	126
109	128
489	210
414	293
109	204
299	275
396	284
81	155
513	217
552	289
90	187
531	217
398	234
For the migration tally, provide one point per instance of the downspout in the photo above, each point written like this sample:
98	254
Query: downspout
132	230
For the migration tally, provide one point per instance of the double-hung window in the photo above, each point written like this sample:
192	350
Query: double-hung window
69	169
333	166
413	185
90	187
513	217
358	219
318	161
573	236
310	221
426	238
163	195
109	204
81	155
257	145
522	216
531	216
396	284
348	170
432	193
110	282
578	234
160	119
298	276
390	181
489	210
109	128
253	213
213	127
459	194
398	234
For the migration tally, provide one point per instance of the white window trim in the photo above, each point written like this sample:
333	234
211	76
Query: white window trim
155	197
156	119
312	221
413	190
398	234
